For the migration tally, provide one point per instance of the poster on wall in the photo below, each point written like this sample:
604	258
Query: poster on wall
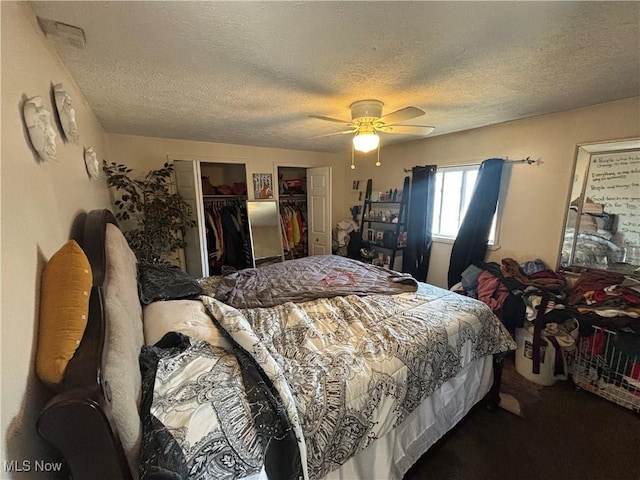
263	185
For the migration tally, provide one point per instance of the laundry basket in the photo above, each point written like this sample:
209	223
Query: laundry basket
602	366
524	359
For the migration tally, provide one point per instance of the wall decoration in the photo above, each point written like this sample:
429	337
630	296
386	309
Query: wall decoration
41	133
263	185
66	113
91	162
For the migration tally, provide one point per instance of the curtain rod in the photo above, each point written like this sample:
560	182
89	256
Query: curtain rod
527	160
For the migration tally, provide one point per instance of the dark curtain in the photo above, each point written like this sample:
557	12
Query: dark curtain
471	243
415	259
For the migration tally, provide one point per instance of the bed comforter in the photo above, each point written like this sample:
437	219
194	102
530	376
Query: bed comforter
592	250
309	278
344	370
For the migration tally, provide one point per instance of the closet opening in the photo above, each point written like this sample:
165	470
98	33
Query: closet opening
224	195
292	196
217	194
305	195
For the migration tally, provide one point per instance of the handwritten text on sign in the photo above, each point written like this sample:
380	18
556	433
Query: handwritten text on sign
614	181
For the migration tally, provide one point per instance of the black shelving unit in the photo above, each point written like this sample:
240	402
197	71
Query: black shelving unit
374	219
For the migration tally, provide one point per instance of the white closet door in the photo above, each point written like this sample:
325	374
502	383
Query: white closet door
319	210
189	185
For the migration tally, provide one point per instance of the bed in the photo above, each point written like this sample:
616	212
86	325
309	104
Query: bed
594	250
354	377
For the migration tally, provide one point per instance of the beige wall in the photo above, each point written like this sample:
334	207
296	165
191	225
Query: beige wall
145	153
535	195
39	203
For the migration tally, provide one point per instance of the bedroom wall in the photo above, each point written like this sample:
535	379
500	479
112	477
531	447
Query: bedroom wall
535	195
146	153
39	204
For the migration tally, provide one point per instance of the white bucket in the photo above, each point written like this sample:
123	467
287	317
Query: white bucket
524	359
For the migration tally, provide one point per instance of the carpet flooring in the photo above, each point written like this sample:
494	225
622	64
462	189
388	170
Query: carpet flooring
561	434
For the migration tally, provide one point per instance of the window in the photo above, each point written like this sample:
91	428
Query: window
454	187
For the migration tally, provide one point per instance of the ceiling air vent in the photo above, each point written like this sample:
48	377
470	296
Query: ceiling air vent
66	34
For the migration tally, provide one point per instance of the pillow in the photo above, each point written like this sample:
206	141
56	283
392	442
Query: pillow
123	341
188	317
163	281
64	308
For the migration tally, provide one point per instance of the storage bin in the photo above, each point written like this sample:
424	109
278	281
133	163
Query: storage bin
524	359
603	367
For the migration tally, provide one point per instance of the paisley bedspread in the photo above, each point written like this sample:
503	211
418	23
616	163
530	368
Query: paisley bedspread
208	414
348	369
326	377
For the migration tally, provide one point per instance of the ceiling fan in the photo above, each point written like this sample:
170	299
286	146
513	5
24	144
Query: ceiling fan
367	120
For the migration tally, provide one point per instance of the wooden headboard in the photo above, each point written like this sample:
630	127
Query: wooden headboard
78	421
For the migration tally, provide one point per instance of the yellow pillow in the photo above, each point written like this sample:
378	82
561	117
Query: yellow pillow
64	308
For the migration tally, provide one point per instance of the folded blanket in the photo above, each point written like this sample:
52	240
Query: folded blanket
309	278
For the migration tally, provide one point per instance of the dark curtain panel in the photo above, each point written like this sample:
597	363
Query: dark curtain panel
415	259
471	243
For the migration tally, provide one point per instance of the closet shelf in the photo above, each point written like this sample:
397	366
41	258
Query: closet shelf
380	245
387	223
285	196
213	197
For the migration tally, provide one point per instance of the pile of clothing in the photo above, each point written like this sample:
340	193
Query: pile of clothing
607	306
607	299
532	296
511	289
342	235
528	295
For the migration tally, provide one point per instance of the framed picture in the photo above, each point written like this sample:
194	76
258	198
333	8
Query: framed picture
262	186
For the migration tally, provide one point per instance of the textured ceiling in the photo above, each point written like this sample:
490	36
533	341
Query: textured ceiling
251	73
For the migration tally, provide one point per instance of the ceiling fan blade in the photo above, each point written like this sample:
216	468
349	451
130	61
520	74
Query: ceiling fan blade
329	119
401	115
344	132
420	130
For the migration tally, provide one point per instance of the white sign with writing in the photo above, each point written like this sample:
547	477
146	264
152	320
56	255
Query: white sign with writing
614	182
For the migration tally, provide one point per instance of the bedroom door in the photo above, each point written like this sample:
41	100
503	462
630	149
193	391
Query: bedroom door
188	183
319	205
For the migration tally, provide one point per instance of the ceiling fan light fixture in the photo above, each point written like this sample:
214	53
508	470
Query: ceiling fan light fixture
365	142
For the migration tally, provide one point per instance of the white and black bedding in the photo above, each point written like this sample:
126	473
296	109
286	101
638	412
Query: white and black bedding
594	250
344	386
345	370
208	412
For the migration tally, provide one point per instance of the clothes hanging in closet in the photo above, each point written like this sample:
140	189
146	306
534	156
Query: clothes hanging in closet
227	242
293	215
